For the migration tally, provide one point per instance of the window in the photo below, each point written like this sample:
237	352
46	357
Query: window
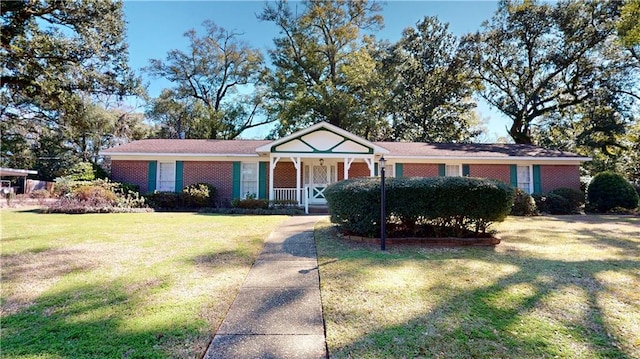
524	179
249	180
452	171
166	177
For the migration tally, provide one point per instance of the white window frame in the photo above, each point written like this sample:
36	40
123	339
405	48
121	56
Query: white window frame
171	183
458	172
243	190
525	186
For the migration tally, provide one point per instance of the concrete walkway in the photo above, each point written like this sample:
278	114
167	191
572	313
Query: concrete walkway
278	311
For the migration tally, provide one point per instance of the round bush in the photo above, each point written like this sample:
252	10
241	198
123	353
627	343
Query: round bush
609	190
574	197
553	204
523	204
199	195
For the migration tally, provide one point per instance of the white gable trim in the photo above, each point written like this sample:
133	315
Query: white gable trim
353	143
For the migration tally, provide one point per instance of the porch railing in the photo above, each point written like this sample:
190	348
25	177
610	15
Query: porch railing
288	194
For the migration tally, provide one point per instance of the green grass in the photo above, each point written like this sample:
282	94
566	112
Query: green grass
556	287
148	285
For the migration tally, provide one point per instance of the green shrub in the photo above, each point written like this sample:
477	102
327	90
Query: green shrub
250	203
164	200
553	204
199	195
609	190
446	205
575	197
523	204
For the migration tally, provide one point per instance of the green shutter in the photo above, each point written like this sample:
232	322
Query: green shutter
236	180
537	179
441	170
179	176
375	169
151	176
399	169
513	169
466	171
262	180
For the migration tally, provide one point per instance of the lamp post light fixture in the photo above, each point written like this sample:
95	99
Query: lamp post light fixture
383	205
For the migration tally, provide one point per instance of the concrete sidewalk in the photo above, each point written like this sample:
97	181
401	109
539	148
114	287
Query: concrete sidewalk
278	311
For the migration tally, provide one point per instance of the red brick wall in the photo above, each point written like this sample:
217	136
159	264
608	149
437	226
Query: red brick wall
420	170
284	175
357	169
135	172
219	174
499	172
556	176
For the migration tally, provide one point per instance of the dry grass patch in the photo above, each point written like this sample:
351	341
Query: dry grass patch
148	285
564	287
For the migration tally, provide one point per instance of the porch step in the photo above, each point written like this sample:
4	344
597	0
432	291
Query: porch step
318	209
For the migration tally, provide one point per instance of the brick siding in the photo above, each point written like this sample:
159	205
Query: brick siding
284	175
135	172
499	172
219	174
556	176
357	169
420	170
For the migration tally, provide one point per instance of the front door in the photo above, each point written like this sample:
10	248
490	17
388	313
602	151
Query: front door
320	175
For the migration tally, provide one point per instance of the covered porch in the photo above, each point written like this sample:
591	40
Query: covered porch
302	165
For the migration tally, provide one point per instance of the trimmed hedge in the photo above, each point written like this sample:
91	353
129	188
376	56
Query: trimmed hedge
560	201
440	206
608	190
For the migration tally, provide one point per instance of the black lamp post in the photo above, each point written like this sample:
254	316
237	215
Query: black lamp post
383	205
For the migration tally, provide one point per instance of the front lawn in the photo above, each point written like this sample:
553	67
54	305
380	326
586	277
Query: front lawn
557	287
148	285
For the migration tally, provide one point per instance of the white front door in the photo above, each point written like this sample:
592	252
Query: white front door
320	175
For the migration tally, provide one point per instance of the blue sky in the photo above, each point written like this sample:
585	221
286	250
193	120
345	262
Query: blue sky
155	27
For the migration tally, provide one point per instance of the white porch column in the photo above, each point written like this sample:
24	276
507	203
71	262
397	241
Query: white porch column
272	167
347	165
369	162
296	164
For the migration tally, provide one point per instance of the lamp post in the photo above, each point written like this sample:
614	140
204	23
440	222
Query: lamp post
383	205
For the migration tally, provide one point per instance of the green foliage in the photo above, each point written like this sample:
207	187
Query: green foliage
324	68
560	201
199	195
457	206
59	59
208	76
523	204
609	190
525	55
250	203
164	200
82	171
576	198
433	87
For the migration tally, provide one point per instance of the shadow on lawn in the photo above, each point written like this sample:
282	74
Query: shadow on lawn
77	323
477	322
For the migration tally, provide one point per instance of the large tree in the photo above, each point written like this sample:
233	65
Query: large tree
213	71
54	55
540	62
324	66
432	94
178	117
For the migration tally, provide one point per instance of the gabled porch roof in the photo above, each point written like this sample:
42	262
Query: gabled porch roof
322	139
